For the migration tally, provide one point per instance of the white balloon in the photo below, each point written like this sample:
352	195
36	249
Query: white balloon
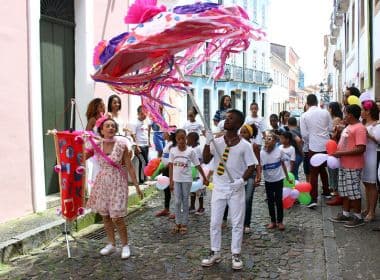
365	96
318	159
333	162
286	192
294	194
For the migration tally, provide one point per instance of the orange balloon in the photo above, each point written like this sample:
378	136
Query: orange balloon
331	147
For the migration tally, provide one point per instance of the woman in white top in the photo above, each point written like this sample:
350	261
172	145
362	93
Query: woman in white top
370	115
114	107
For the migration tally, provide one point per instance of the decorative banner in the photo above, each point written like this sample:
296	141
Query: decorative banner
69	151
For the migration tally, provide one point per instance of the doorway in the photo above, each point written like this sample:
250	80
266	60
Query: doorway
57	76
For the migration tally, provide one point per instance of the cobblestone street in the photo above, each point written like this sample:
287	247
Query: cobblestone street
296	253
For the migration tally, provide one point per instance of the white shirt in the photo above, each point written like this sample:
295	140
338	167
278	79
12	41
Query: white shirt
165	153
239	158
260	124
193	127
121	125
288	154
182	161
316	125
140	130
198	152
271	164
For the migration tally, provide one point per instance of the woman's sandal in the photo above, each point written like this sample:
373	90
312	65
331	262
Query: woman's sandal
176	228
271	226
281	226
183	229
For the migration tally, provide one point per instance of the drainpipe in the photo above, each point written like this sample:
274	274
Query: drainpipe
35	108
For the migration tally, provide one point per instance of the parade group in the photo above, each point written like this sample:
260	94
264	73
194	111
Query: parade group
234	159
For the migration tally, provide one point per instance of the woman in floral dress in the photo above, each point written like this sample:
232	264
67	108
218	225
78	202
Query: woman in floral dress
109	195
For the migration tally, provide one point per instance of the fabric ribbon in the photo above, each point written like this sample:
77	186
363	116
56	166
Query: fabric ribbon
107	158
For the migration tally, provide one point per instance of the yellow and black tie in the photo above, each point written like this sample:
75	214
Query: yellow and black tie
220	169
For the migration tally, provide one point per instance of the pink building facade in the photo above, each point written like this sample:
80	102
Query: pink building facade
25	92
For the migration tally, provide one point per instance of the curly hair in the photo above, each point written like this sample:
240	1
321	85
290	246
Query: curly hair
92	108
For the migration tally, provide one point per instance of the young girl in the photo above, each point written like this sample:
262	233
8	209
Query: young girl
170	137
284	117
180	159
193	141
246	132
288	149
192	125
273	164
109	196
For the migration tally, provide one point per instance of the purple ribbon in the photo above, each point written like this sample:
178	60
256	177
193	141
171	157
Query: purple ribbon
195	8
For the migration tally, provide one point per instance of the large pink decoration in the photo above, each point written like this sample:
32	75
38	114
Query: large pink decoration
142	62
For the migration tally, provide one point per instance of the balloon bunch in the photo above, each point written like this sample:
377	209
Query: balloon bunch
332	162
162	182
301	192
295	190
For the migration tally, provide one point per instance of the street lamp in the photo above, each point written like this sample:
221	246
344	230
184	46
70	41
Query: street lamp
325	93
227	78
266	85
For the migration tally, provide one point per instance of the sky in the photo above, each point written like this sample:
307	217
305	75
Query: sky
301	24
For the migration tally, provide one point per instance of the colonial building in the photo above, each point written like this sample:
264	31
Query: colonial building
352	54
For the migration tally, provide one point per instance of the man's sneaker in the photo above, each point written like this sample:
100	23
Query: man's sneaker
340	218
192	210
354	222
125	252
311	205
200	212
327	195
109	249
214	257
237	263
172	216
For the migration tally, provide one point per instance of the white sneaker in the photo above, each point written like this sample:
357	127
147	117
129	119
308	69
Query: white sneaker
213	258
237	263
125	252
109	249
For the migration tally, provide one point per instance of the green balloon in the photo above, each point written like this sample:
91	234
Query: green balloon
157	171
304	198
194	172
287	184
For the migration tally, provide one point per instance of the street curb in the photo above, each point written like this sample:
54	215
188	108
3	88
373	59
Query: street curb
333	269
43	235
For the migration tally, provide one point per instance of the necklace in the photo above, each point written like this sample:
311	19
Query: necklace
232	141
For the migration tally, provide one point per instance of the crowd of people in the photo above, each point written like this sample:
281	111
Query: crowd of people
238	155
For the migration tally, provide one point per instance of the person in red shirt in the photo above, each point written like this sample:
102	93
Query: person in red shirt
351	148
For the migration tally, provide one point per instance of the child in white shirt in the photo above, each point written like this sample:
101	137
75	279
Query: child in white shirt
288	151
274	169
192	125
181	158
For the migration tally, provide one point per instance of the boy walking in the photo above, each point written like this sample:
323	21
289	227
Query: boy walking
240	161
351	148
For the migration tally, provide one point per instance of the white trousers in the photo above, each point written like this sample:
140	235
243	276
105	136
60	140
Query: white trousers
236	212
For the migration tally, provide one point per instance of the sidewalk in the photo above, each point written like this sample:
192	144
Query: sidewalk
351	253
20	236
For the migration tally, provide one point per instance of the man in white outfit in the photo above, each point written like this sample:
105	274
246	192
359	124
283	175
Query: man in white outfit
240	162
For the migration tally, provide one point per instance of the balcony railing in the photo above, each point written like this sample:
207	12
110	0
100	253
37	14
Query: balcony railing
248	75
237	73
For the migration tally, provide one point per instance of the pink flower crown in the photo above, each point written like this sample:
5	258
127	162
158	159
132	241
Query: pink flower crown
102	119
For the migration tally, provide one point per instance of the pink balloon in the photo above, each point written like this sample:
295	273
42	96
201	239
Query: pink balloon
163	180
318	159
333	162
